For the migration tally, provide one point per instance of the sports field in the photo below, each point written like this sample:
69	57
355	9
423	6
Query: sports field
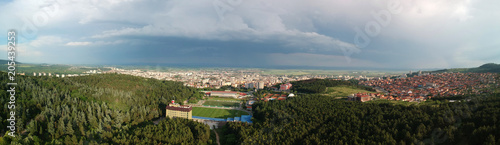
217	113
220	103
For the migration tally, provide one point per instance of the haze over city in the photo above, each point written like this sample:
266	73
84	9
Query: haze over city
397	35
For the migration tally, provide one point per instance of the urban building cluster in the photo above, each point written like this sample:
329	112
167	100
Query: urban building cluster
237	78
232	94
421	87
363	97
285	87
65	75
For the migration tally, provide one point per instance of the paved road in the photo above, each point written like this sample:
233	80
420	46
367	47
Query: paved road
158	120
217	136
200	103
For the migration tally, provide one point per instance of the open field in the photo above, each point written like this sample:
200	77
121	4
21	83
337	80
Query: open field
221	103
217	113
343	91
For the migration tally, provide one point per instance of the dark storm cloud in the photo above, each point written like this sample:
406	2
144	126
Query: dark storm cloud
425	34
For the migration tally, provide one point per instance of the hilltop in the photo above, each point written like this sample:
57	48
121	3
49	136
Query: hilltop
3	61
30	68
489	67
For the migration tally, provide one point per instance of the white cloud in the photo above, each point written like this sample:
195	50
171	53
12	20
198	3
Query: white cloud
115	42
23	52
463	11
78	43
46	41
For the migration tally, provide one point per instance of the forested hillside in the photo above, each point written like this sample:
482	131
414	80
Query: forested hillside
320	85
107	108
485	68
316	119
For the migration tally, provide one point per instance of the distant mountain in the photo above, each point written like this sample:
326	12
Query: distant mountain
489	67
3	61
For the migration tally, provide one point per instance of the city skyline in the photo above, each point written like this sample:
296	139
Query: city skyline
219	33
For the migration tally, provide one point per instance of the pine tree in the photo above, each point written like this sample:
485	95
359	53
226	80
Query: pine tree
50	127
74	140
69	128
67	140
61	128
81	141
118	120
490	140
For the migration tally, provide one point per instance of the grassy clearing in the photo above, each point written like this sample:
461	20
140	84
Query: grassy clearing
344	91
220	103
217	113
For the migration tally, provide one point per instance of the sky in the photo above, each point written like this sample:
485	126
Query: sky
383	34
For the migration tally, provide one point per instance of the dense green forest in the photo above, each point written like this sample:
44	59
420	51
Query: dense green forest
97	109
316	119
320	85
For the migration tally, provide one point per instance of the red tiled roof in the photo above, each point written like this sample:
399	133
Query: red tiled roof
183	109
224	92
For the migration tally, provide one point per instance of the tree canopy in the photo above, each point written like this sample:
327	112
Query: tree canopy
98	109
316	119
